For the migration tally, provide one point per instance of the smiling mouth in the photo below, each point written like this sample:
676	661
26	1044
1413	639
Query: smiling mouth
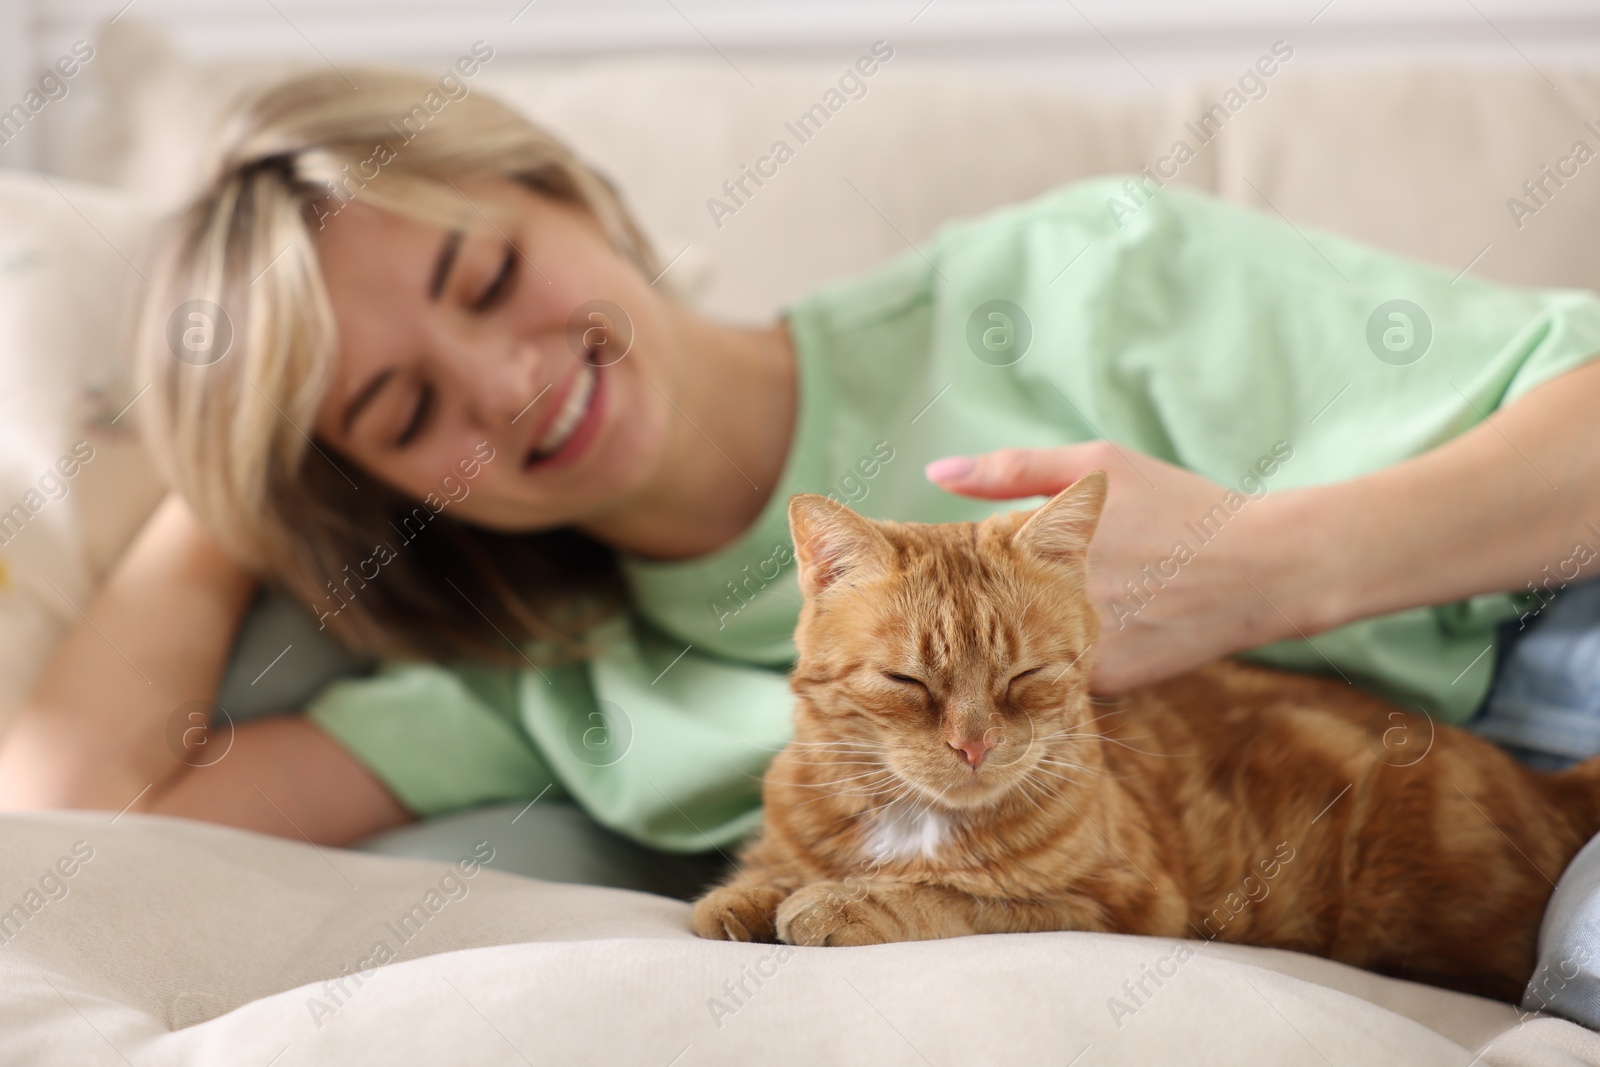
573	417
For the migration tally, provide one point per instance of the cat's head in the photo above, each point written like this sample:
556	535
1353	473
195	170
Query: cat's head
957	654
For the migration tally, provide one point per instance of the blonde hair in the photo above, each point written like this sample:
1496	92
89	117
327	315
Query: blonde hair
232	428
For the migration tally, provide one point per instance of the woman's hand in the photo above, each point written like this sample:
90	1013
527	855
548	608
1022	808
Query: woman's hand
1512	503
1179	578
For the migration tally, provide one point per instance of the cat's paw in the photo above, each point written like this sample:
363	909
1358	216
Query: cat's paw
738	912
835	913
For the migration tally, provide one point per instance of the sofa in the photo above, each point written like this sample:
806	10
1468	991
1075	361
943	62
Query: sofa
171	942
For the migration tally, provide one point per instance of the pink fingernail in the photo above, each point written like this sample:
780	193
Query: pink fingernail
949	469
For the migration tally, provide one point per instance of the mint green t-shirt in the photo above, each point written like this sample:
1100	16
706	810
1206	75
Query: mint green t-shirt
1262	356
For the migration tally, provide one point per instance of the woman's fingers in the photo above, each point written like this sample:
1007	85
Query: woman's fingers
1170	585
1017	472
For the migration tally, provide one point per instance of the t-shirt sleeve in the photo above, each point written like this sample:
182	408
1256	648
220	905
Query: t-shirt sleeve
656	741
1564	335
1265	357
661	742
439	738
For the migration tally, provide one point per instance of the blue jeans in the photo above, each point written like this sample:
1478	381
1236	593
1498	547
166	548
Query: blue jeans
1544	706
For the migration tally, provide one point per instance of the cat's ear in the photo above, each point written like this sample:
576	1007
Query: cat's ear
1060	530
831	541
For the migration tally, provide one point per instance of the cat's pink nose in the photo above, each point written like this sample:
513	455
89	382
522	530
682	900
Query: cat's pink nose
972	752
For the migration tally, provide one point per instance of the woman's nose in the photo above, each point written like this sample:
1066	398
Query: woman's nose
509	388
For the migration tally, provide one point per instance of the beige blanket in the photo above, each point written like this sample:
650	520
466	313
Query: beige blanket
159	941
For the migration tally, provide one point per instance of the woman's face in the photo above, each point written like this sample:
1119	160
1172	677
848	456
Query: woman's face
488	351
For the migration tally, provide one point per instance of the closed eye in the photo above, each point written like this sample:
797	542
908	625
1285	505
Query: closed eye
1027	673
501	285
419	416
905	679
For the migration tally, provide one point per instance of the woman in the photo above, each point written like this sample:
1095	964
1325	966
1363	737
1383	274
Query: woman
446	405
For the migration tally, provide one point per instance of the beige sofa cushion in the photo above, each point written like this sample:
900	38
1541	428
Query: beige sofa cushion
1422	161
178	942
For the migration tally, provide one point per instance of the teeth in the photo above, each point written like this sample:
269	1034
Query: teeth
571	412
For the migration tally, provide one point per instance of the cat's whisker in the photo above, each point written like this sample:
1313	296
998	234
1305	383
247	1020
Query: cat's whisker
835	795
832	741
819	783
906	790
878	769
1051	791
1097	718
839	743
831	762
1061	777
1095	734
1046	761
1041	784
855	777
1044	765
1065	737
1026	795
1062	756
1122	742
867	791
819	759
1145	751
939	798
1098	772
832	746
901	791
1073	731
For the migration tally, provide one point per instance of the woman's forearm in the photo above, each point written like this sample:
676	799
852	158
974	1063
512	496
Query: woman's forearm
95	731
1487	511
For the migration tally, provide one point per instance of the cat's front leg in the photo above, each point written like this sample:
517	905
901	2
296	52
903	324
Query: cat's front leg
836	913
873	912
743	910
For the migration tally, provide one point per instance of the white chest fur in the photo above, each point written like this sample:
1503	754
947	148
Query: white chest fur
905	831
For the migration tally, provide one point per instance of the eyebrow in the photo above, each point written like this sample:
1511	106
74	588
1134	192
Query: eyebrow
363	398
441	268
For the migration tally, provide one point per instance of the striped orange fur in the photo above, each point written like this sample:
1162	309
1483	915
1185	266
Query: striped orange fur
949	774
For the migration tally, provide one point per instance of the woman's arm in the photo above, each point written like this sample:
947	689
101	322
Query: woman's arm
95	732
1487	511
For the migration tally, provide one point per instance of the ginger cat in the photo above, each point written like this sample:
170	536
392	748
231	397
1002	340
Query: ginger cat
950	775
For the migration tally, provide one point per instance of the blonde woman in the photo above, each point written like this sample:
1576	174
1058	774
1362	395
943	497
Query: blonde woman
459	421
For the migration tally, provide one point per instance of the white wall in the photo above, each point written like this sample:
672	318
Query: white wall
1112	44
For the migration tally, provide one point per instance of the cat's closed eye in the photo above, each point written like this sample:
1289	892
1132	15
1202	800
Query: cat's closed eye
1015	678
905	679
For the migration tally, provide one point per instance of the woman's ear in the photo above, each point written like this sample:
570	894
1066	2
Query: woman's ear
1060	530
831	541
